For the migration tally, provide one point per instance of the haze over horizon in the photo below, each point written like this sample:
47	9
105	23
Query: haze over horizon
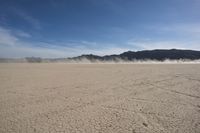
66	28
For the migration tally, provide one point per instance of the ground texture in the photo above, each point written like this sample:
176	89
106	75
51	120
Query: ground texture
94	98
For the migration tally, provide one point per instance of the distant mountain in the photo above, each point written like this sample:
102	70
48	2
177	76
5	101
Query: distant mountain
158	54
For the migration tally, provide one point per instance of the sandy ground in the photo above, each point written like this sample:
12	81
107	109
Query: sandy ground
96	98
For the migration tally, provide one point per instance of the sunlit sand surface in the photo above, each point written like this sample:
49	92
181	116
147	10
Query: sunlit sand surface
94	98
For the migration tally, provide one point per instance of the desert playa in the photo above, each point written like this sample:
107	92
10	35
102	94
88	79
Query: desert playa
99	98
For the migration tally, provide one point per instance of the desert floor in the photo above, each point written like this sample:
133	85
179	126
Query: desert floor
135	98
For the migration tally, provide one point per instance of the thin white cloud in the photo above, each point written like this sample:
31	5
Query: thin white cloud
153	44
22	34
53	52
13	46
90	43
28	18
190	30
10	37
179	36
6	38
184	28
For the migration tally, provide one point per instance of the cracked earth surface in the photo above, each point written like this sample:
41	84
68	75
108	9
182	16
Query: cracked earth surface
99	98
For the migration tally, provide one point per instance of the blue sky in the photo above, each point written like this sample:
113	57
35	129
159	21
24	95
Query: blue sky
65	28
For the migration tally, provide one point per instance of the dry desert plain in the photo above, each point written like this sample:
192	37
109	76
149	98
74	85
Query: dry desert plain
99	98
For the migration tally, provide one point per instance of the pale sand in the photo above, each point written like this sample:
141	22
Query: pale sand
91	98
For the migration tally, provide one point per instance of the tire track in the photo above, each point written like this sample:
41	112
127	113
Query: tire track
174	91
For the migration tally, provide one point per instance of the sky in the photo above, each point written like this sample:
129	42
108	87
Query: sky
67	28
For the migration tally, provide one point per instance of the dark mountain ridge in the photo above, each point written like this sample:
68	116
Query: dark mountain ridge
158	54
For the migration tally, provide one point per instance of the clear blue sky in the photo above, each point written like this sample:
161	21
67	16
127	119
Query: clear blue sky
65	28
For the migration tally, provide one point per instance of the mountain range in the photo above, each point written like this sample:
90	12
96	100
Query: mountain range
158	54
